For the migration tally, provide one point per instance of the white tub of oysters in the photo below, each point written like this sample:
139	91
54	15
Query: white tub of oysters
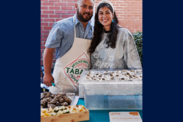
118	75
111	89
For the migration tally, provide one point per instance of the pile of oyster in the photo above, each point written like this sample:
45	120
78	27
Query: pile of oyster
118	75
49	99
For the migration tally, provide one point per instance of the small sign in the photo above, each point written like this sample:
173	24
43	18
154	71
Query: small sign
125	117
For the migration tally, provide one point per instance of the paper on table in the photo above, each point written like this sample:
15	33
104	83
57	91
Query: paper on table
75	101
125	117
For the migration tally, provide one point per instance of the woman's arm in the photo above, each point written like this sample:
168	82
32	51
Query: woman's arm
131	55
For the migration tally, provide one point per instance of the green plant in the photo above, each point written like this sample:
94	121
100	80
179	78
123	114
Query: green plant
138	41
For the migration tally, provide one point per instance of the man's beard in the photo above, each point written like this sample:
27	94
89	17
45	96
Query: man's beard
80	16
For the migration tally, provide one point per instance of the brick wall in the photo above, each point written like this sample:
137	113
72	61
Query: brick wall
129	13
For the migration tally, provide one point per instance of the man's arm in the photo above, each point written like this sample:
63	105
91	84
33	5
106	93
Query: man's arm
47	62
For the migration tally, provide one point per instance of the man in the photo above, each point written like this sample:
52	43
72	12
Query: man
70	38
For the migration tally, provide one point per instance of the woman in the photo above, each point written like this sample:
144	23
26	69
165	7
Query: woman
112	46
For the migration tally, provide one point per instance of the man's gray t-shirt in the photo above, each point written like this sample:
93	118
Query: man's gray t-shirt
61	35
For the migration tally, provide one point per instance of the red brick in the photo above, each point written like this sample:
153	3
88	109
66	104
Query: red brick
54	16
45	36
132	3
122	3
133	17
135	5
44	24
66	8
71	4
44	8
139	3
58	20
44	16
42	47
44	31
43	39
49	20
48	4
136	8
44	0
71	12
44	44
54	8
51	24
60	12
120	8
119	13
42	50
121	17
116	4
66	16
133	12
47	28
54	0
66	0
48	12
60	4
75	0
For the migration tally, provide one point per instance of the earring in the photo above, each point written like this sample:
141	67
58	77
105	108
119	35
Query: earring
112	20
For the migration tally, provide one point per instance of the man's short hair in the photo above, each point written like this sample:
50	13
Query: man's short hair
80	1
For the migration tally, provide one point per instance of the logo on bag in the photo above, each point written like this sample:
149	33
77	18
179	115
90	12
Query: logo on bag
74	69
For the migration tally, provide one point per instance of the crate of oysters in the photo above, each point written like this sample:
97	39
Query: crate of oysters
64	114
49	99
120	82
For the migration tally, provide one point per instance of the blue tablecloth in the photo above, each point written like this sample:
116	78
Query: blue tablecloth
101	115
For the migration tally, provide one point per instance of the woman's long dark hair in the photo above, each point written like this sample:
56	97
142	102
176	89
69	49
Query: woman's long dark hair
98	30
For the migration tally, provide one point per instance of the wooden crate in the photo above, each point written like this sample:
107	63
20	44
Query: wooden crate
70	117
